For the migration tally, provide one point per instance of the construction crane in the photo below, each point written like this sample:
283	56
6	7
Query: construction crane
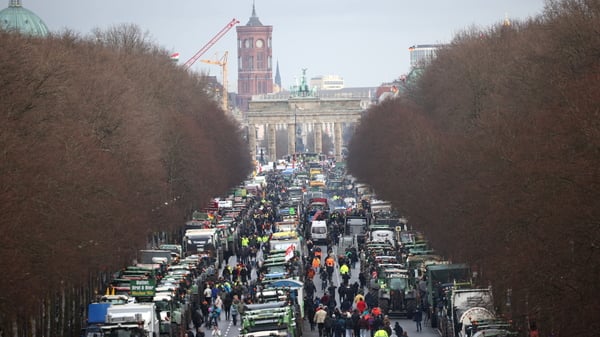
210	43
222	62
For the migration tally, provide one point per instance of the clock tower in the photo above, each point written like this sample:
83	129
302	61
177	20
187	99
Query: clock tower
255	65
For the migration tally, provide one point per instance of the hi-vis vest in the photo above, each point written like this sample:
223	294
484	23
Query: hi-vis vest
245	242
329	262
380	333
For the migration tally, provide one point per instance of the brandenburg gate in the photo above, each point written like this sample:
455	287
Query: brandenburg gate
302	110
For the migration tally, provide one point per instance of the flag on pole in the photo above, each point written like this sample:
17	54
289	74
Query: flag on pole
289	252
175	56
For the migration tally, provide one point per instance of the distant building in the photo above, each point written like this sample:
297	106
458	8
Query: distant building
327	82
255	64
19	19
421	55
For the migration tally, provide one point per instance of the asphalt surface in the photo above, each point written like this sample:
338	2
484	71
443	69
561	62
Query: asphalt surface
229	330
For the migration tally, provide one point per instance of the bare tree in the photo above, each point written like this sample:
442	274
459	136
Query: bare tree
496	160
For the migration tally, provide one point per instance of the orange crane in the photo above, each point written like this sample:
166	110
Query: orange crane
222	62
210	43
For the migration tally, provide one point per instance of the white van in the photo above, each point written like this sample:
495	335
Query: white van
318	231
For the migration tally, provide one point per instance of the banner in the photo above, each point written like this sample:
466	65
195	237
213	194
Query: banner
289	252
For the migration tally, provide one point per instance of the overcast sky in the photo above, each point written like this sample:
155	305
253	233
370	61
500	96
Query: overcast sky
365	42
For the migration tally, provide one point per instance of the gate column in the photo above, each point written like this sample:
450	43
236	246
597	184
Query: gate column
337	141
318	137
272	142
291	129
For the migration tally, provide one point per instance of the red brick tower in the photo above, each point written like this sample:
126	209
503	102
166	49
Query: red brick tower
255	60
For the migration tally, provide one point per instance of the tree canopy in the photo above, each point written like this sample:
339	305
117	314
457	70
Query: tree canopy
495	154
98	135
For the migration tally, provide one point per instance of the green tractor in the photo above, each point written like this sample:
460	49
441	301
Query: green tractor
269	319
396	294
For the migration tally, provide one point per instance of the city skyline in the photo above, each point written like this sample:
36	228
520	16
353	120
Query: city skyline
364	43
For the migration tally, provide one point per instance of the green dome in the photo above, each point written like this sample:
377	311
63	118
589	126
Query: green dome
17	18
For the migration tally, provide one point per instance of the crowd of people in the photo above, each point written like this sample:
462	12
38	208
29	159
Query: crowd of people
346	309
355	315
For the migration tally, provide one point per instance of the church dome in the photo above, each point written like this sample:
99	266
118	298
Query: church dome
22	20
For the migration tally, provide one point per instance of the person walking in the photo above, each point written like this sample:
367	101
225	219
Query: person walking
216	332
227	301
398	330
418	317
214	313
219	306
234	309
309	309
197	319
207	294
329	266
381	333
364	326
339	325
348	323
344	270
361	305
356	322
320	319
328	326
324	278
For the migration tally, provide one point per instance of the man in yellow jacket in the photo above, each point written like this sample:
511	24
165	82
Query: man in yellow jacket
344	269
381	333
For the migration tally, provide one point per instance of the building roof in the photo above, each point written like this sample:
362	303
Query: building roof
254	21
22	20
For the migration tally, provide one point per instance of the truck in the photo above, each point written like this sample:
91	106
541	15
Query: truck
467	307
131	320
356	226
155	256
96	315
382	234
440	279
172	313
204	242
173	248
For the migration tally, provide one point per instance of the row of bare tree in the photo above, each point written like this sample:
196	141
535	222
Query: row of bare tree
104	140
494	152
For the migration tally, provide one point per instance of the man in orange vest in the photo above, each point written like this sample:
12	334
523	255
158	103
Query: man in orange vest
329	265
316	263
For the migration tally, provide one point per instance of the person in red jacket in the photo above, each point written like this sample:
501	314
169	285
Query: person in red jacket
361	305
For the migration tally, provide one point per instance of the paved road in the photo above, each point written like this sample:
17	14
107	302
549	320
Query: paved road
229	330
406	324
